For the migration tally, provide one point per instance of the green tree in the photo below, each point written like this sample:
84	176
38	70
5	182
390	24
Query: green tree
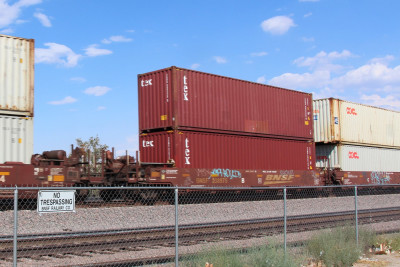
93	149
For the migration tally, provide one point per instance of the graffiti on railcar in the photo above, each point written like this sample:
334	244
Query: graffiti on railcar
380	178
225	173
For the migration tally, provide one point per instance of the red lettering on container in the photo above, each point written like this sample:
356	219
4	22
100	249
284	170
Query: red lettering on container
351	111
353	155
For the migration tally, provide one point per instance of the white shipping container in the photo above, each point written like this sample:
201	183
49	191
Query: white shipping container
341	121
16	139
358	158
17	75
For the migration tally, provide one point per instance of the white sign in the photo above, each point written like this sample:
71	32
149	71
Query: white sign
56	201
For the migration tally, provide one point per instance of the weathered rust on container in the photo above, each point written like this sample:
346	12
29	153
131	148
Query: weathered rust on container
188	149
338	121
176	98
16	76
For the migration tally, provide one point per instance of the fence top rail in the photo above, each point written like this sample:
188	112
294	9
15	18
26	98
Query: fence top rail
193	188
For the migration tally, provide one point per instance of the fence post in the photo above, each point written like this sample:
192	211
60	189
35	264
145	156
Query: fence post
284	218
356	212
15	226
176	229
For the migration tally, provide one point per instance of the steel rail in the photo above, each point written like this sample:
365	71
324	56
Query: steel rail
80	242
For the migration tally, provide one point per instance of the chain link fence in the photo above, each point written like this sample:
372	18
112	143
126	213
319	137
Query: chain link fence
130	226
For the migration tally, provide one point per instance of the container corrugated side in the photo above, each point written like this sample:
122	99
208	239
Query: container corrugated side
176	98
209	150
17	75
326	120
16	139
358	158
341	121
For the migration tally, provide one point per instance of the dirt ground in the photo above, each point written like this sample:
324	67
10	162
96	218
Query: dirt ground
389	260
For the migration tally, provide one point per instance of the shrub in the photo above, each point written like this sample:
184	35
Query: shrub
269	256
338	246
217	257
264	256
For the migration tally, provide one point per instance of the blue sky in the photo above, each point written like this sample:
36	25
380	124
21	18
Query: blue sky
88	54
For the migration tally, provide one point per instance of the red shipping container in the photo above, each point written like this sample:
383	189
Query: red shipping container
176	98
209	150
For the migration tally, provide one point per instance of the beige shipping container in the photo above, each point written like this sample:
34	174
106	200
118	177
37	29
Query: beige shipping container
358	158
16	76
338	121
16	139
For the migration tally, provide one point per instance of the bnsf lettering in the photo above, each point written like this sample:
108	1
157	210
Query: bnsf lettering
278	177
351	111
145	83
185	89
353	155
148	143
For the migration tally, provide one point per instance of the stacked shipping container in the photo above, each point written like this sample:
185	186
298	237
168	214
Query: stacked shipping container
356	137
191	149
16	138
16	98
221	122
177	98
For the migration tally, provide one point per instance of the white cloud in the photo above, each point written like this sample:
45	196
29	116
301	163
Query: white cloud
44	20
130	31
307	15
78	79
383	60
325	92
66	100
9	14
117	38
376	82
277	25
323	60
56	54
376	100
93	51
261	79
97	90
195	66
373	75
258	54
220	60
322	67
308	81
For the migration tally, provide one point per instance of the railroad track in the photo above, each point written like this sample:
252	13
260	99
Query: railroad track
78	243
